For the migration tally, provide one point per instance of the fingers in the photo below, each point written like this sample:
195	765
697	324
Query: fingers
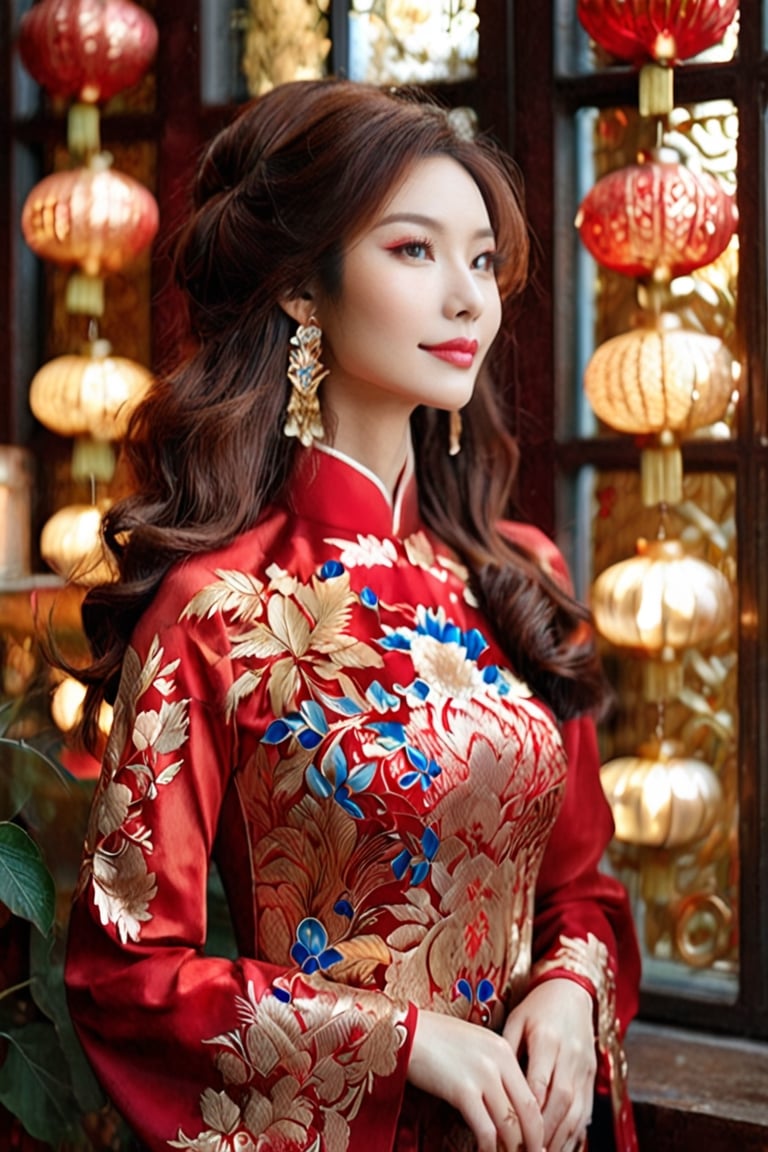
525	1108
571	1133
495	1124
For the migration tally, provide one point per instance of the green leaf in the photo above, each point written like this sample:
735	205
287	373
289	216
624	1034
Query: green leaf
31	1084
47	987
26	885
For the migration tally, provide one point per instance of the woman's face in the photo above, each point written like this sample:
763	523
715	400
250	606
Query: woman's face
419	305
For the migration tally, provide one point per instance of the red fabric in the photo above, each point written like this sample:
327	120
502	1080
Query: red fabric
321	708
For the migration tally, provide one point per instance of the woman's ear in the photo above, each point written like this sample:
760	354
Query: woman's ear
299	308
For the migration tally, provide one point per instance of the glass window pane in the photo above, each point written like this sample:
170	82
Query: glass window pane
670	765
249	46
412	41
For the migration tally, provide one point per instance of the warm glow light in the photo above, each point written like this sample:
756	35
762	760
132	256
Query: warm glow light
656	219
71	543
89	49
92	394
659	377
91	217
661	800
67	707
662	599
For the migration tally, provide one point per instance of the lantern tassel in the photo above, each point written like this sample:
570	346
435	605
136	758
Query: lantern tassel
661	472
83	130
93	460
656	96
84	295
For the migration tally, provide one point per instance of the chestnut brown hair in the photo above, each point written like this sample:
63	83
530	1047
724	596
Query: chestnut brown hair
278	196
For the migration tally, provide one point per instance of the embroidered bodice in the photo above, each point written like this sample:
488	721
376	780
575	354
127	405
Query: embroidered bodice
322	709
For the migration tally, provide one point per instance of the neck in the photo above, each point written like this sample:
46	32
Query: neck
378	443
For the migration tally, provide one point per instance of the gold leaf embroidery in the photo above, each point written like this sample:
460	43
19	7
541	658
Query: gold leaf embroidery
237	593
345	1039
243	686
122	891
113	808
366	552
119	841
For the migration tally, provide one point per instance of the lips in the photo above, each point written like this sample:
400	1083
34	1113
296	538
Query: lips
460	353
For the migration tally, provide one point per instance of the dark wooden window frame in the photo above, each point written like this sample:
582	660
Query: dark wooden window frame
545	105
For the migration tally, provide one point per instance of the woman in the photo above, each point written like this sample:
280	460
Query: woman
342	679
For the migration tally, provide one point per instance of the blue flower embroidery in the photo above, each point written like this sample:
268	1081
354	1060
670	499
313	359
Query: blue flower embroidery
309	725
435	624
484	992
424	770
311	949
392	739
330	569
334	780
419	864
368	597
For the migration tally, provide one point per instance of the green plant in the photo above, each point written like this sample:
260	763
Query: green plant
45	1080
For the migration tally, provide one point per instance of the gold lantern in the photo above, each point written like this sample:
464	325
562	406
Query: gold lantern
660	798
91	397
71	543
90	394
660	602
663	380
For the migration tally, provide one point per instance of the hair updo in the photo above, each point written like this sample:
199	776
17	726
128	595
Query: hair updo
300	173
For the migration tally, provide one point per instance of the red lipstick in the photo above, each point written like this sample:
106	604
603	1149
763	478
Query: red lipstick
461	353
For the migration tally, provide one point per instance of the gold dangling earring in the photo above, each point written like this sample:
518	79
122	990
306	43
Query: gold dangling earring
305	372
454	433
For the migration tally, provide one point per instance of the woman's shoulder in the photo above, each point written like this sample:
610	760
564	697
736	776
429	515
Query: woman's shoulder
194	588
540	547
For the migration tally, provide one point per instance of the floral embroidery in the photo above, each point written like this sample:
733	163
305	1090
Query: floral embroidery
418	862
366	552
478	997
311	951
305	640
119	839
445	657
313	1057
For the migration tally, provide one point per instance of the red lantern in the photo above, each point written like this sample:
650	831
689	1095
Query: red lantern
664	31
92	217
87	49
656	218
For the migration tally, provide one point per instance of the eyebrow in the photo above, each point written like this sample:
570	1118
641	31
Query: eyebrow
427	222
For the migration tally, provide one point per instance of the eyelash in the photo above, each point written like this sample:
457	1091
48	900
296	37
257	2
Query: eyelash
495	258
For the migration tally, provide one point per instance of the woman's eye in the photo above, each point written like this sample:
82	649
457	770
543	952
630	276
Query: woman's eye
486	262
416	249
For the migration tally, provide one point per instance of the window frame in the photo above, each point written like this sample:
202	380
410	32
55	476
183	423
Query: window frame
546	105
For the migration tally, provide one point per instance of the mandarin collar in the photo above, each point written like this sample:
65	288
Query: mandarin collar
336	490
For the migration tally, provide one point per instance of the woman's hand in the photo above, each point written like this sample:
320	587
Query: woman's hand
476	1071
552	1028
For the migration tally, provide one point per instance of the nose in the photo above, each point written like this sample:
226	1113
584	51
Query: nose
463	296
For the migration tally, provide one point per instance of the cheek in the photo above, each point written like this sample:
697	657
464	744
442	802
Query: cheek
493	313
